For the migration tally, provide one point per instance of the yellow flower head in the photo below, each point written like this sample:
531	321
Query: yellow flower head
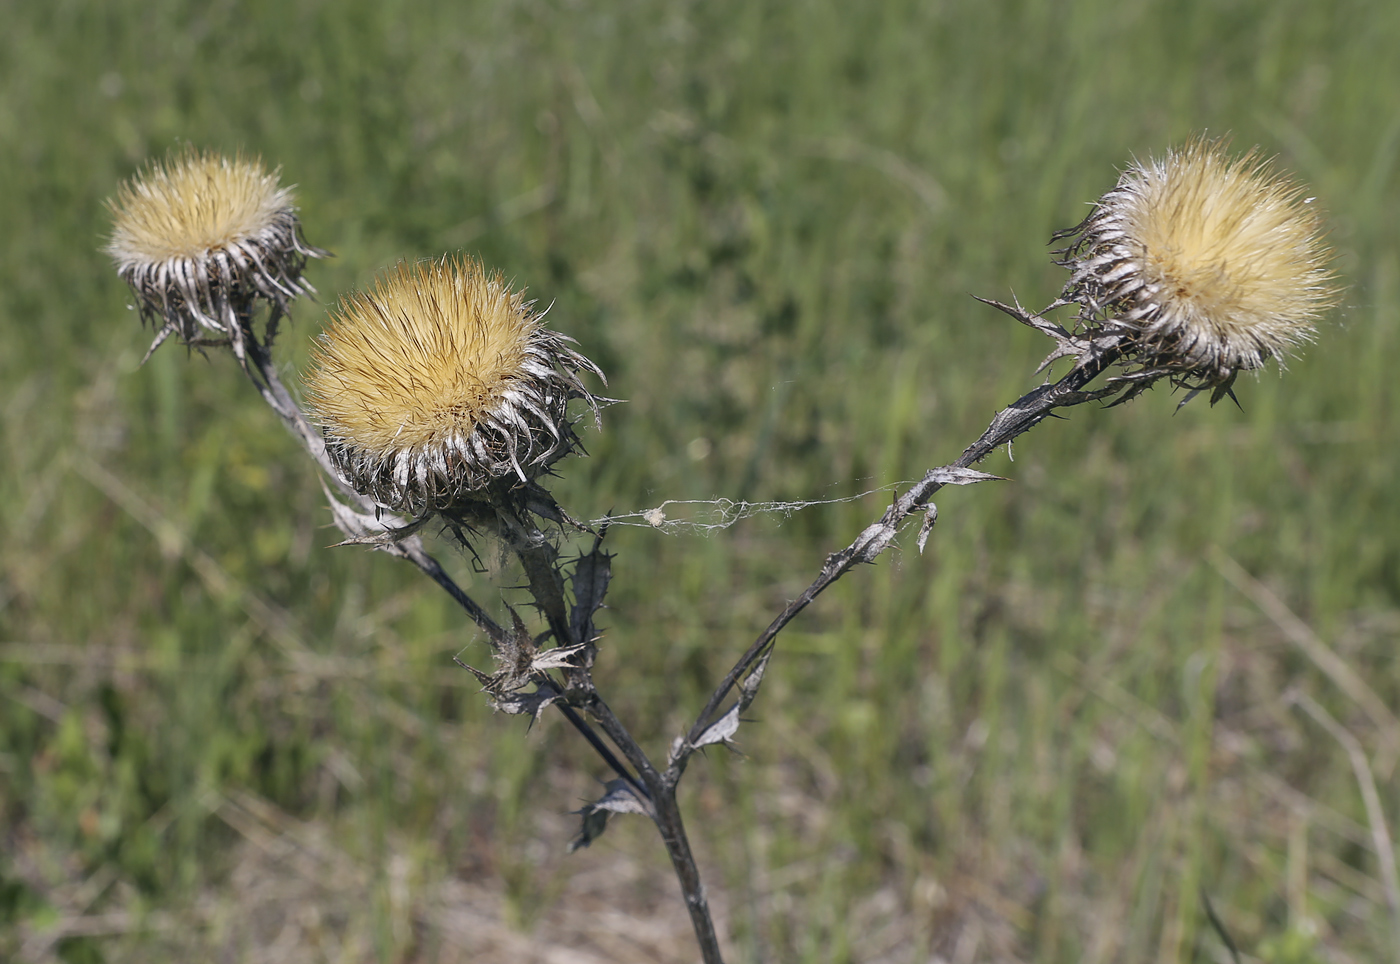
439	380
200	237
1211	264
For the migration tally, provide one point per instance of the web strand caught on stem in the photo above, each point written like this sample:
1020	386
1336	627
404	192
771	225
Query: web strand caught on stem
721	513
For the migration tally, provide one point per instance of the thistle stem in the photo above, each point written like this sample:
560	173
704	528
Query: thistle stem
672	829
666	814
1020	416
540	561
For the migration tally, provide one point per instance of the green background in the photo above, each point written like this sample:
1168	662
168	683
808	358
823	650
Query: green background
1041	740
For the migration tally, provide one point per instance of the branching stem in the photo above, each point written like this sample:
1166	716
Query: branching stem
539	559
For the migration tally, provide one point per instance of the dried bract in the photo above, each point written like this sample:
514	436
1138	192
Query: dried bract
1210	265
201	237
440	380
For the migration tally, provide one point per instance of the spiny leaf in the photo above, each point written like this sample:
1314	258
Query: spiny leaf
723	729
519	704
591	575
619	798
952	475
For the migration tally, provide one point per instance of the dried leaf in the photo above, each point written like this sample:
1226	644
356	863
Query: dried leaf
723	729
591	828
622	798
873	540
519	704
748	689
520	662
925	527
515	656
952	475
1066	344
483	678
619	798
382	531
1062	350
560	656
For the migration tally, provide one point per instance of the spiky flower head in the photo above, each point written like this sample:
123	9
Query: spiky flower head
200	237
1210	264
440	380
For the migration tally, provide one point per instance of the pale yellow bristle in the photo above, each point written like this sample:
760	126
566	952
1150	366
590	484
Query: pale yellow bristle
1213	264
424	357
1230	246
192	203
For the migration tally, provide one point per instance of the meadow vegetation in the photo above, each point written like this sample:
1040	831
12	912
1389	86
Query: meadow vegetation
1103	690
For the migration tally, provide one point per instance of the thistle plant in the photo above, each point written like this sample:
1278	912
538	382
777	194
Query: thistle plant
439	394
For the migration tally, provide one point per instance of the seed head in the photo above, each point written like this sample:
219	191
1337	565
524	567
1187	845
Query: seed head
201	237
438	381
1212	265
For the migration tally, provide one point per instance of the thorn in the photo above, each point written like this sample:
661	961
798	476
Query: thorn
1189	395
1134	390
1227	387
1225	390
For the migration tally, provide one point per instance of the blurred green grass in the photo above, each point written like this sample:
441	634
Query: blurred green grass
1036	742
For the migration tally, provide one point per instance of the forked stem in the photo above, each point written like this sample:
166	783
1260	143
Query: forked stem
539	558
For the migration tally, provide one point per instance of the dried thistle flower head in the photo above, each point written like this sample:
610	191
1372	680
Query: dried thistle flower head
200	237
1211	264
440	380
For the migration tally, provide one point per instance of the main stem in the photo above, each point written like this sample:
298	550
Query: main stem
672	829
540	560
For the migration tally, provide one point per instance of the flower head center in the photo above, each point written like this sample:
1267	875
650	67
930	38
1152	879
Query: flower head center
193	204
422	359
1222	243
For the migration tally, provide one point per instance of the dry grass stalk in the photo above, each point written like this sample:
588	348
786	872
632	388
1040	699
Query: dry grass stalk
1375	815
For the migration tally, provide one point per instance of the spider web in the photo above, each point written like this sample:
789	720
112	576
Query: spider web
705	516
